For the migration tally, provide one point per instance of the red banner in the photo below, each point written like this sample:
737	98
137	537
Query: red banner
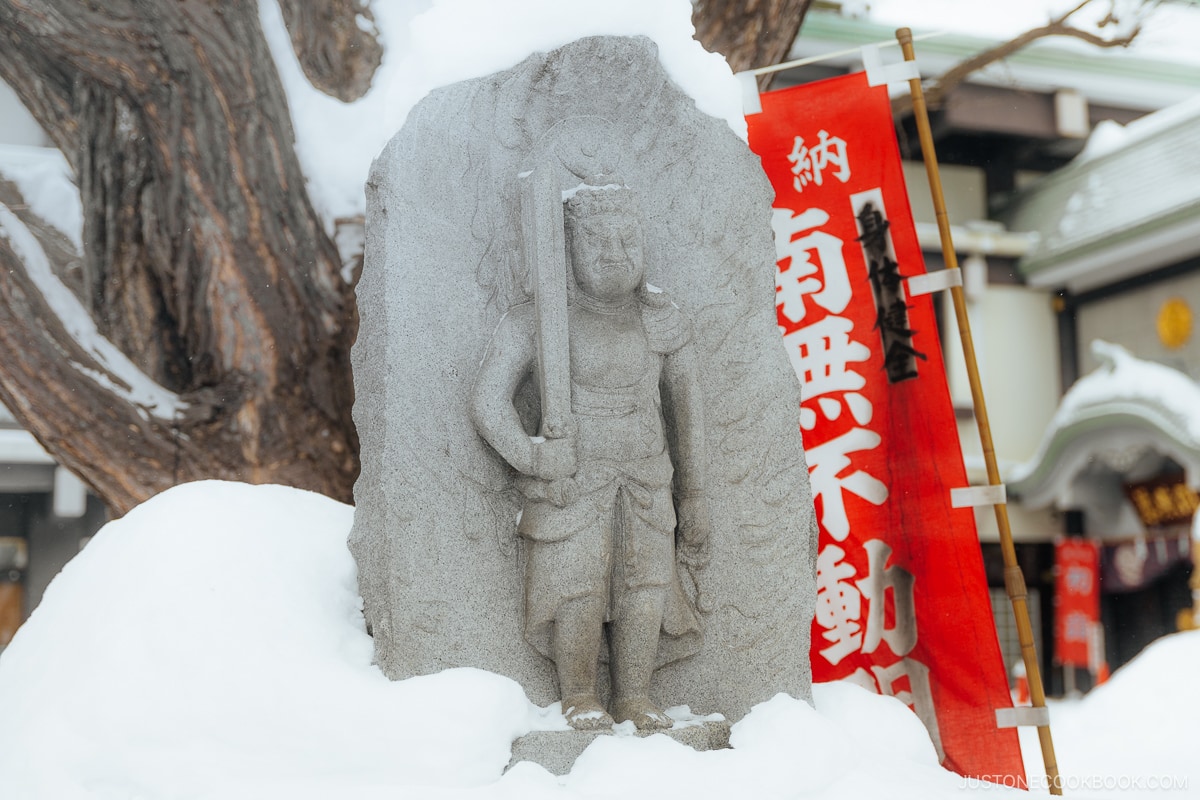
1076	600
902	600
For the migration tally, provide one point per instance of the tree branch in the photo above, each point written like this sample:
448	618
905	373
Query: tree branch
336	44
938	88
751	33
205	262
60	388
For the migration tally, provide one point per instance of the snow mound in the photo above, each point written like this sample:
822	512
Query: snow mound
1135	732
210	645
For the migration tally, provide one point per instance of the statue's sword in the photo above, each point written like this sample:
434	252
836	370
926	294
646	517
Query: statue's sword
545	252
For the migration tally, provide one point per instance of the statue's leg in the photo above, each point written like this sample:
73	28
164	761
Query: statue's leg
579	628
637	621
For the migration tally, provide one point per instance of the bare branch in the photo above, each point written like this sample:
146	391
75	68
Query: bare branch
937	89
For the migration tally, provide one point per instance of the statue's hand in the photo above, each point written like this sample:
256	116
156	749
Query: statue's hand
562	493
695	528
554	459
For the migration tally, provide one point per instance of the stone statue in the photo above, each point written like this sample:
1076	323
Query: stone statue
498	302
598	516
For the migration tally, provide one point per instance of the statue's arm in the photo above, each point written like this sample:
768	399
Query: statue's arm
685	419
508	360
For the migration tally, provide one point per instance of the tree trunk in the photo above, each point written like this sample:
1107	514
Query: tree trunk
203	261
750	33
211	326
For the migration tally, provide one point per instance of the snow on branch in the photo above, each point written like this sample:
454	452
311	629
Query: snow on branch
44	179
117	373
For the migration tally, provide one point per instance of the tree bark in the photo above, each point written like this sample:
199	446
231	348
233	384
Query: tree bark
749	33
204	261
336	44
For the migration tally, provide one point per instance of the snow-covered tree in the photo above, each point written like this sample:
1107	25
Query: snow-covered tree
199	323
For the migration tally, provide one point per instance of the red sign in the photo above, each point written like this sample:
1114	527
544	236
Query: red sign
902	600
1076	600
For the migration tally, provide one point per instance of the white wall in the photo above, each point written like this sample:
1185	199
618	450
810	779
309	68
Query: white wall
1130	319
1016	343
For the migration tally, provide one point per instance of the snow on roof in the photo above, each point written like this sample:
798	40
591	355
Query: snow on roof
1145	78
19	447
1129	203
1149	402
1109	136
1125	379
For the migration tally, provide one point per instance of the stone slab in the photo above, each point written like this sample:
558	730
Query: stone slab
557	750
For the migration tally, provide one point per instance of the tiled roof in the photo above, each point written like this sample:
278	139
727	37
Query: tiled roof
1128	209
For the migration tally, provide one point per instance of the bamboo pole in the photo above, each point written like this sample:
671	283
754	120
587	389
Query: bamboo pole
1014	580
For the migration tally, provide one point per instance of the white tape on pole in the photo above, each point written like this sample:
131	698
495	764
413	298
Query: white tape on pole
879	74
1023	717
930	282
972	496
751	102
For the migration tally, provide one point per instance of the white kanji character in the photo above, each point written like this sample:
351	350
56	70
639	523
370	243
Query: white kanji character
919	695
802	165
839	605
1078	580
1077	627
808	164
902	636
826	462
820	354
797	270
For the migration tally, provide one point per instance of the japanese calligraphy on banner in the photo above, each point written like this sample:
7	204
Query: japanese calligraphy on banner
902	600
1076	600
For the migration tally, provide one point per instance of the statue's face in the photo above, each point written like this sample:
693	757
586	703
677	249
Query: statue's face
606	255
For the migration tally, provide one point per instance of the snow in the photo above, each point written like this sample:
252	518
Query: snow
48	186
121	376
567	194
1134	735
1121	382
1109	136
1122	377
428	44
210	645
1153	404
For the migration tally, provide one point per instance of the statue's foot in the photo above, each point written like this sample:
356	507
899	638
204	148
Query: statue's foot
643	713
584	713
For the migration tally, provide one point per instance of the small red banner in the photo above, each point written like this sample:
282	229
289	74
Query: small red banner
902	599
1076	600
